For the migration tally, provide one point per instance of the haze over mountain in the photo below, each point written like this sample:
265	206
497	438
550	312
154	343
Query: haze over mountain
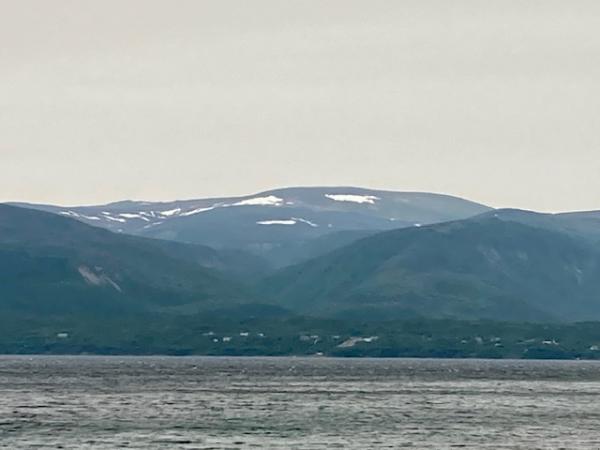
584	224
490	266
56	265
278	224
356	253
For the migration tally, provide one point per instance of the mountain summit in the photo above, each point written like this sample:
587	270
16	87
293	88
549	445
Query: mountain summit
277	225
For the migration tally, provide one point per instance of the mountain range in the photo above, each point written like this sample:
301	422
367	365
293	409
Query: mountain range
333	252
51	264
483	267
279	225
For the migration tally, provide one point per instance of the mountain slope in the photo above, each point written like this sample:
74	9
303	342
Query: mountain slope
483	267
582	224
275	224
54	264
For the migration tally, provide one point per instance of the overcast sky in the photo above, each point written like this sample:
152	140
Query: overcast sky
496	101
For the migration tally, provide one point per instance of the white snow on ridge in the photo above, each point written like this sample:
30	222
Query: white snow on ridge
197	211
277	222
150	225
133	216
292	221
353	198
307	222
115	219
271	200
77	215
170	212
69	213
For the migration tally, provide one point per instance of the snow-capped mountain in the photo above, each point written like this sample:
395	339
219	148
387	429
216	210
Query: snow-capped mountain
274	221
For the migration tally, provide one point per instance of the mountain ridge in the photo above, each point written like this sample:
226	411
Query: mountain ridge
505	263
53	263
450	269
277	224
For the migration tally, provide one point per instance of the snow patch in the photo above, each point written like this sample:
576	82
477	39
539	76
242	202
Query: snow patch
277	222
271	200
352	198
307	222
115	219
291	221
133	216
170	212
153	224
69	213
197	211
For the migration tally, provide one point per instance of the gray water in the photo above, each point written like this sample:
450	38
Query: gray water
296	403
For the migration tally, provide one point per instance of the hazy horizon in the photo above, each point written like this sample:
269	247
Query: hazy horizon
245	194
494	102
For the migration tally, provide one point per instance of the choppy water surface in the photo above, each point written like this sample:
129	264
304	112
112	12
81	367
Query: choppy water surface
296	403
